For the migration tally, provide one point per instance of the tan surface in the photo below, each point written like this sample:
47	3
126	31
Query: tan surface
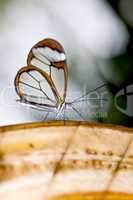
66	160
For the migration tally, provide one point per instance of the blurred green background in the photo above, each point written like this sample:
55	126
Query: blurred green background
98	38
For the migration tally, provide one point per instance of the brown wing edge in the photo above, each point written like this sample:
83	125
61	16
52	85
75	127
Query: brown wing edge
55	45
44	74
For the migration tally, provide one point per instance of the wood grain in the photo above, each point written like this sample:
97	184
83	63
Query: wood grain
66	160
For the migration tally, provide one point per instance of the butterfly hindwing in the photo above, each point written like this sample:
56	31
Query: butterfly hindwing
34	86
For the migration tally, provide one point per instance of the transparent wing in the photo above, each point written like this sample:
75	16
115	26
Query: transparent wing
49	56
38	112
33	86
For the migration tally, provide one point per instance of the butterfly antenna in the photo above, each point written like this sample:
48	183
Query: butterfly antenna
77	99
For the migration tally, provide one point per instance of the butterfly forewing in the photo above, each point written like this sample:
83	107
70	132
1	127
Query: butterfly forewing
41	65
49	56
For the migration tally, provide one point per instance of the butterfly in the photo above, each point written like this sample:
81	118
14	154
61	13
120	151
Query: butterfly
43	83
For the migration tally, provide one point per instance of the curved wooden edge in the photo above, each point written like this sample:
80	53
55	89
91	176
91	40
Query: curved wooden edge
64	123
95	196
75	196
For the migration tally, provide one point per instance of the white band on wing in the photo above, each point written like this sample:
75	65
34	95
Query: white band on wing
39	56
48	55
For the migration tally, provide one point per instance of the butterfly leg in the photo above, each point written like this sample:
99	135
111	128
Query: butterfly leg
46	116
79	114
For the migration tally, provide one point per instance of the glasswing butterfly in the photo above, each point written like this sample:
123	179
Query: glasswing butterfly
38	86
42	84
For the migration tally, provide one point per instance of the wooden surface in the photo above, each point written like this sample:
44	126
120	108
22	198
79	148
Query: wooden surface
65	161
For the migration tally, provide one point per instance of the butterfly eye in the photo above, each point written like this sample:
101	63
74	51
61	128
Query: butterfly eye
49	56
